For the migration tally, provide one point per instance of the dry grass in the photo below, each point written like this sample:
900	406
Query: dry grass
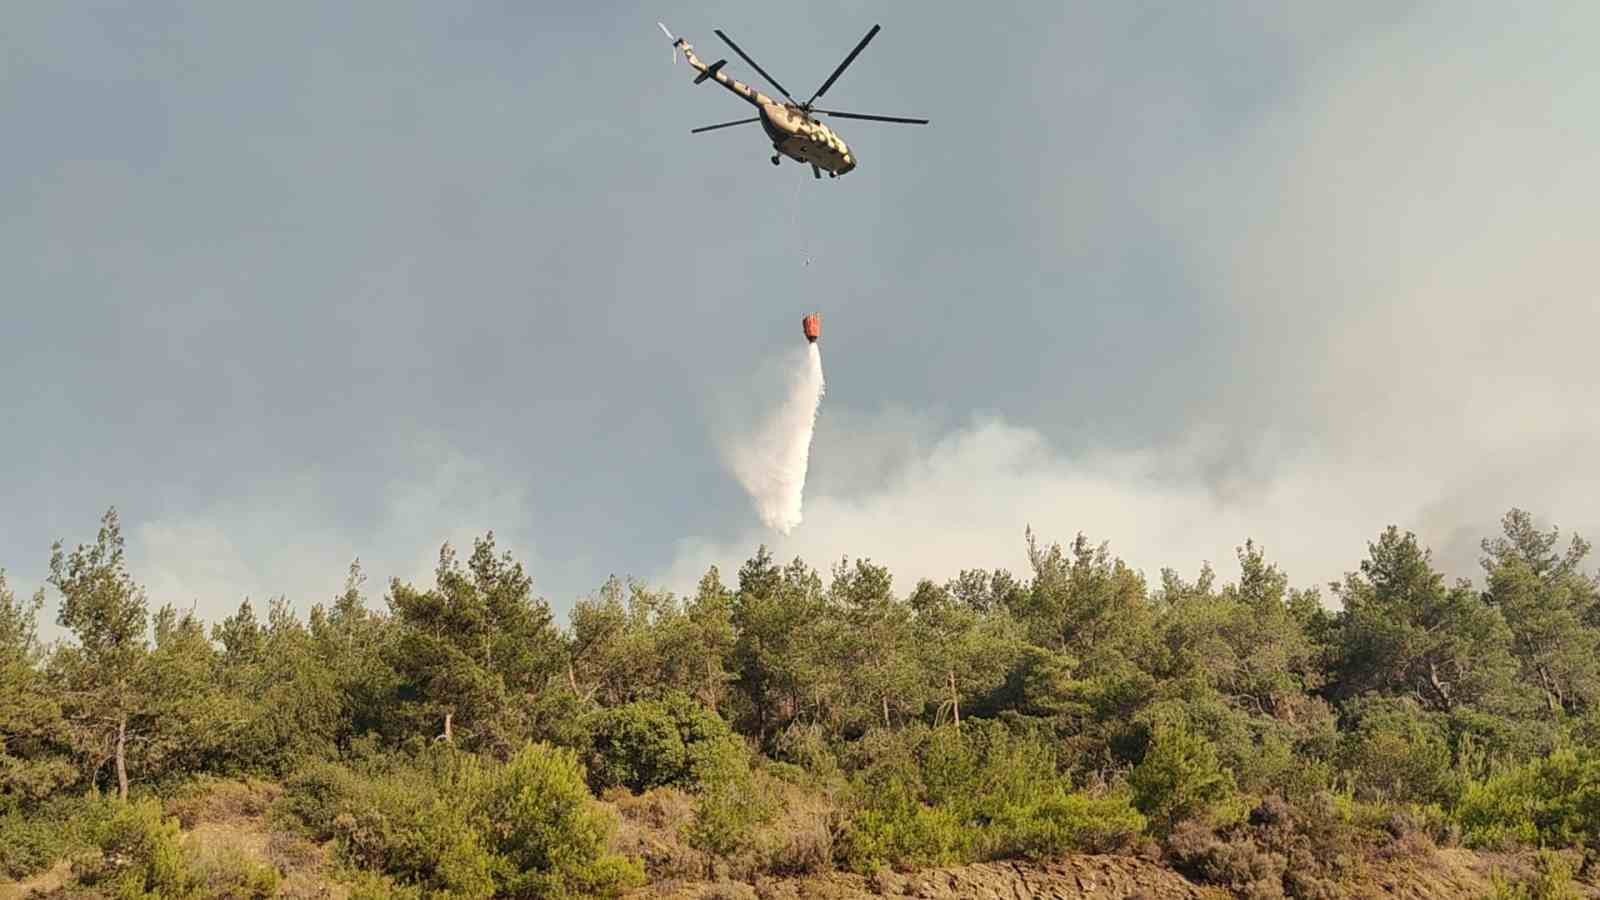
652	830
226	820
801	840
211	800
48	881
798	841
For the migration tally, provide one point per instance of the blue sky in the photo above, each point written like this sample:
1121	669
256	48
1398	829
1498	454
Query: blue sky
290	285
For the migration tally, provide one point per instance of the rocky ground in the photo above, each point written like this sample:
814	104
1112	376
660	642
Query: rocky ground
1094	877
1448	874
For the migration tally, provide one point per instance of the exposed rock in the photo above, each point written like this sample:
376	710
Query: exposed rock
1073	878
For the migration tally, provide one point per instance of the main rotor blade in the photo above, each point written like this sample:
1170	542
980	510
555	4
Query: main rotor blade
723	125
839	71
770	80
845	115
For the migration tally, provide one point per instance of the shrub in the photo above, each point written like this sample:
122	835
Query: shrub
548	834
209	799
1062	823
1235	861
1395	751
32	842
29	845
229	873
373	886
940	797
453	824
315	797
396	824
803	836
1552	802
895	827
1308	852
654	830
807	746
1551	881
727	811
652	743
141	855
1179	778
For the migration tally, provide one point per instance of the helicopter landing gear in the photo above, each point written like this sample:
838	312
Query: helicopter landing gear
775	159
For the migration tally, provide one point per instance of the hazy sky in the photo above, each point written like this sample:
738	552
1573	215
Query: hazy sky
290	284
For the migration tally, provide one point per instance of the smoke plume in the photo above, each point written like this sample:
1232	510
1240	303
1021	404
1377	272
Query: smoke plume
770	462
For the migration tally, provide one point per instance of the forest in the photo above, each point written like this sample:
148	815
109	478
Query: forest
456	740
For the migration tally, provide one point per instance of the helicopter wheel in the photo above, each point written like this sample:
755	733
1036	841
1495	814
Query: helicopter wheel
774	159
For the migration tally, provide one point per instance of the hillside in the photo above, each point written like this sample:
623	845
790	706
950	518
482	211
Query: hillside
1074	730
230	827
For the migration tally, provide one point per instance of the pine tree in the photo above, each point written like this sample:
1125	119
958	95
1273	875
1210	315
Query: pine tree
107	614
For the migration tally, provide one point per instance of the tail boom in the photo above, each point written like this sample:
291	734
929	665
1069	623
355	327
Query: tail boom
714	72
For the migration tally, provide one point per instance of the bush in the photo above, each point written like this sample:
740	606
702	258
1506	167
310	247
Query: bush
1308	852
397	824
141	855
229	873
937	798
1395	751
1553	802
1179	778
32	842
653	743
28	845
454	824
1062	823
209	799
1551	881
803	836
373	886
807	746
1235	861
548	834
894	827
654	830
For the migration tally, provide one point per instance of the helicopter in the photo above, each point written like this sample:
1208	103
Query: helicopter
792	126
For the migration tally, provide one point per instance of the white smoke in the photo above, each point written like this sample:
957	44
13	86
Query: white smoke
770	462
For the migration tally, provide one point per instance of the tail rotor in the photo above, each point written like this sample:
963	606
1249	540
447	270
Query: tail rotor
675	41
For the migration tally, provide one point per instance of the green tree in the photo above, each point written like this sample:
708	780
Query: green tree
284	691
1403	631
1086	604
702	646
1550	606
1238	665
107	614
470	645
873	658
31	727
965	649
627	642
185	720
779	616
354	644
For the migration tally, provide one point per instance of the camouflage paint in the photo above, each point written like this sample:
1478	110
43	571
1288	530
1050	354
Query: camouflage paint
792	133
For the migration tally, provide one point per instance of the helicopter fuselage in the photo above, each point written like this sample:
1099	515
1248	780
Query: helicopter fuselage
793	133
796	135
